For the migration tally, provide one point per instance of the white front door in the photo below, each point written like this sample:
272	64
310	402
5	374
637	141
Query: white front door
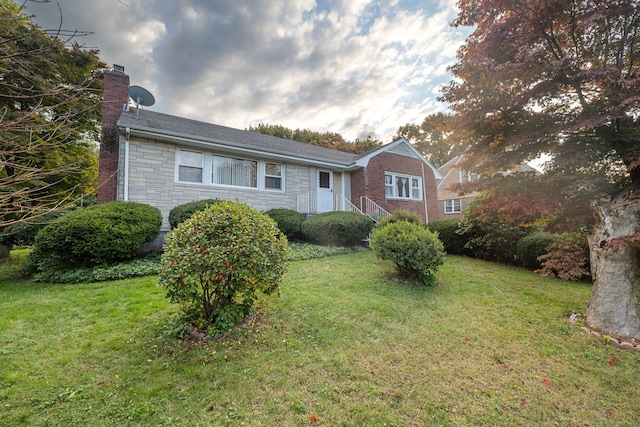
325	191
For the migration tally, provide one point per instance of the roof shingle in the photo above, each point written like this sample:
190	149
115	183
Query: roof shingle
168	125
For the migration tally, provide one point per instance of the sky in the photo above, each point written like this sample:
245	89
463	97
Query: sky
356	67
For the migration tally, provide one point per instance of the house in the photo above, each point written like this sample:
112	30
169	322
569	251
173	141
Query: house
452	204
165	161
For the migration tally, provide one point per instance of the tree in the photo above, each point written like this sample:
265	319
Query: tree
551	200
560	77
361	146
331	140
430	139
50	93
278	131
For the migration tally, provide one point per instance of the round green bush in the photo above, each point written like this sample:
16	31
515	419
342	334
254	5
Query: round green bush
337	228
400	215
416	251
454	242
217	262
530	247
288	220
96	235
183	212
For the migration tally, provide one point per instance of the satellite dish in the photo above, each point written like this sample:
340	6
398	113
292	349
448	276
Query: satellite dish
141	96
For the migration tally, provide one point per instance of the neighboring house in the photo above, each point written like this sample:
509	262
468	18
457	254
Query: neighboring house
166	161
451	204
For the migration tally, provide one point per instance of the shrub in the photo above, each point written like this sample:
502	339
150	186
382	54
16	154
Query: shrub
97	235
532	246
337	228
288	220
181	213
400	215
447	229
217	262
124	270
489	235
567	258
416	251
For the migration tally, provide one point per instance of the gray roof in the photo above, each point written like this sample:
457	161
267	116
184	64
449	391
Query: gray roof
178	128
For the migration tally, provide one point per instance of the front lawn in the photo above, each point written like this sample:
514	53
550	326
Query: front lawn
345	344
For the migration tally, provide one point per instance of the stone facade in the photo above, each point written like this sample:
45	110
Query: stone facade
151	180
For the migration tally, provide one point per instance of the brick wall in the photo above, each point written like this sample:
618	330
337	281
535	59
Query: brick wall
116	94
370	182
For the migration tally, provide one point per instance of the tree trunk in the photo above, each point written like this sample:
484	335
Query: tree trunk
4	251
614	306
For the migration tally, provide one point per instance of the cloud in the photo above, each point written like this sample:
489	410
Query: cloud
357	67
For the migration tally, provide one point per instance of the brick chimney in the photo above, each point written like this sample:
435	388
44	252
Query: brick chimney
116	94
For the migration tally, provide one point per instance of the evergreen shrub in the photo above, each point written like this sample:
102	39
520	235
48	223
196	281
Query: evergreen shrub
447	229
288	220
532	246
415	250
217	262
337	228
183	212
489	235
400	215
96	235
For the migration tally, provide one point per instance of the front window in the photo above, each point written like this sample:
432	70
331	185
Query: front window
398	186
388	185
415	188
273	176
452	206
238	172
213	169
190	166
402	187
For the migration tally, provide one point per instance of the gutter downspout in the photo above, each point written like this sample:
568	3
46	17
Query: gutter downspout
126	164
424	195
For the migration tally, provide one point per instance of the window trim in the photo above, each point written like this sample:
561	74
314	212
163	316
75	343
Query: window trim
266	175
179	165
450	206
394	187
235	159
207	172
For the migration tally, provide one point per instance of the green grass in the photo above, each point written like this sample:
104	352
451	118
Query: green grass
345	343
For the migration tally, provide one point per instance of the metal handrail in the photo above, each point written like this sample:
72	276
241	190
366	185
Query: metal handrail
306	203
372	209
345	204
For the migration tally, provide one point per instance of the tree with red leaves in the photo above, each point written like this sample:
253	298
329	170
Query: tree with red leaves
562	78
